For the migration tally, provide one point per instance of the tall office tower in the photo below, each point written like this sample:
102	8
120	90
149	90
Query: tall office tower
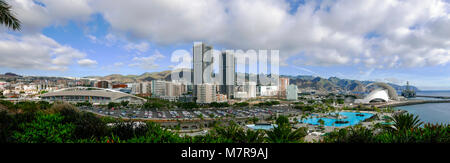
283	84
292	92
206	93
158	88
200	50
227	69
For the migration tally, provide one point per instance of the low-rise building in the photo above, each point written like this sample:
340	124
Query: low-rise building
206	93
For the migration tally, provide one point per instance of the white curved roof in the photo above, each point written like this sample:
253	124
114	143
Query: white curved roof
88	91
391	91
375	94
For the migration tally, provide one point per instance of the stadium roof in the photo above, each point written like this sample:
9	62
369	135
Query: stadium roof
86	91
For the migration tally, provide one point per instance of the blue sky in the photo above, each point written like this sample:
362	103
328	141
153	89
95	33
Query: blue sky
390	41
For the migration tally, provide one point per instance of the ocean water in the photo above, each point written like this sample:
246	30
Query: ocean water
432	112
444	93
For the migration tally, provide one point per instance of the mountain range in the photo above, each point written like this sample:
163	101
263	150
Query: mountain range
302	81
337	84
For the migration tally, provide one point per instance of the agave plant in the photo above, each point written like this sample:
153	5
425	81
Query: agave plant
405	122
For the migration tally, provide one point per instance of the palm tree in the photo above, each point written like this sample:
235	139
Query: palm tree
321	122
7	17
284	134
405	121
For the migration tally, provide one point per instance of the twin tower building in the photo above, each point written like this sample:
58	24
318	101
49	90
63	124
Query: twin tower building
204	80
207	79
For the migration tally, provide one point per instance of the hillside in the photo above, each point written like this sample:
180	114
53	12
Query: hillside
302	81
318	83
148	76
334	83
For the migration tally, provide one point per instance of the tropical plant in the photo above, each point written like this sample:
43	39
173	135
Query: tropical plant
237	134
405	121
7	17
124	103
46	128
282	120
285	134
356	134
321	122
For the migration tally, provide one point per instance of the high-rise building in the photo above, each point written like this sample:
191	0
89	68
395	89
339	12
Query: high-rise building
200	62
206	93
283	84
292	92
158	88
227	69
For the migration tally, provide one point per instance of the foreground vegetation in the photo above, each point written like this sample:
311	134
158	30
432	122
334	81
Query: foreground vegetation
41	122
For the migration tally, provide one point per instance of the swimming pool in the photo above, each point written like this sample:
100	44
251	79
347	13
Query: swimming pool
261	127
350	117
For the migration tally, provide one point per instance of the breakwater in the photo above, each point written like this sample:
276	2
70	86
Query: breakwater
410	102
439	97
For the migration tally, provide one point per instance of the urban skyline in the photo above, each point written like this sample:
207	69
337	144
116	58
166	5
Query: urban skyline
224	71
92	40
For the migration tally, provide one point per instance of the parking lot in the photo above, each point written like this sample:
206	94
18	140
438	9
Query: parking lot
184	114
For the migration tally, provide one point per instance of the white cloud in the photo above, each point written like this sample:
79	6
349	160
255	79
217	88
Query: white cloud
327	33
38	14
147	63
140	47
183	59
373	33
118	64
92	38
36	52
33	50
87	62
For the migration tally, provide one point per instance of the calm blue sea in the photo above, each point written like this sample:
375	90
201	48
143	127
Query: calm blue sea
445	93
433	113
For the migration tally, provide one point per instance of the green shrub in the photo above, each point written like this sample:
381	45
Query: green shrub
46	128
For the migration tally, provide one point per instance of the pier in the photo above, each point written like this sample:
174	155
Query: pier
410	102
439	97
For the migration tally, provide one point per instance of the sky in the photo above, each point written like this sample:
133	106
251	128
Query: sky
381	40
